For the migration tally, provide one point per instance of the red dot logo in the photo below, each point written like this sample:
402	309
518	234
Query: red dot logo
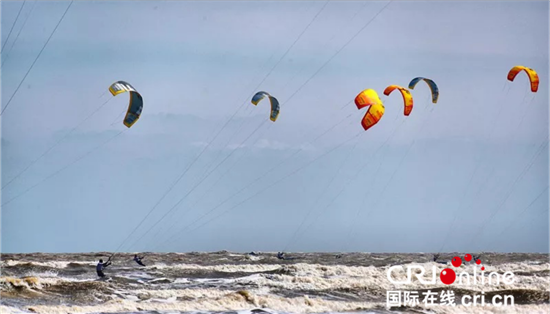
468	257
447	276
456	261
478	261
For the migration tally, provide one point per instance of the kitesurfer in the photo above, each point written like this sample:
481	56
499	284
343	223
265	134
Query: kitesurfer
101	266
138	260
281	255
435	259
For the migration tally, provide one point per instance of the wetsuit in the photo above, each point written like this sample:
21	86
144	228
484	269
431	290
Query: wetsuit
138	260
100	267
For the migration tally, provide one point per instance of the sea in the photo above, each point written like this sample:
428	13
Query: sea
260	283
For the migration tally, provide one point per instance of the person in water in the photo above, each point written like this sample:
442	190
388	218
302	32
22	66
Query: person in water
281	255
138	260
101	266
435	259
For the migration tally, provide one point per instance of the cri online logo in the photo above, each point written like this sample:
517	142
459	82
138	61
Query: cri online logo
448	275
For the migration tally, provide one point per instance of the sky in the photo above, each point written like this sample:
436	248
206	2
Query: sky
205	170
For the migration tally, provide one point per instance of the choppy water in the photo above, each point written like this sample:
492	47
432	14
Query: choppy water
225	282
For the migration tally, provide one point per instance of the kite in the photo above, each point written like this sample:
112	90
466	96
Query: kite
532	74
431	84
407	97
370	98
274	104
136	101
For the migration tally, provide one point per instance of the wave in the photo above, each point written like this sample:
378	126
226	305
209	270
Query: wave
246	302
182	283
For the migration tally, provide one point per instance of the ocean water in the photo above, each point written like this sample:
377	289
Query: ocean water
226	282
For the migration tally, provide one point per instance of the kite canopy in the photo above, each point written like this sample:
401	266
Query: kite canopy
407	97
274	104
370	98
431	84
532	74
136	101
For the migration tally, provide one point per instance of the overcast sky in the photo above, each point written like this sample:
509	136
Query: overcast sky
469	173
